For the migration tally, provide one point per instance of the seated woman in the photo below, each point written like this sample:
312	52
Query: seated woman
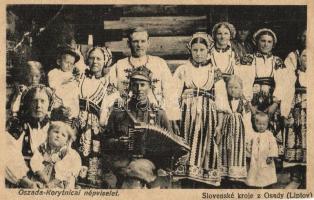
29	129
138	109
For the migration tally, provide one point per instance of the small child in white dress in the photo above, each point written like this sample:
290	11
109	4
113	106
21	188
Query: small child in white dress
55	164
262	149
63	79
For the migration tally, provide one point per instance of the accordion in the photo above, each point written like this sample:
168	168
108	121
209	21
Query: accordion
147	139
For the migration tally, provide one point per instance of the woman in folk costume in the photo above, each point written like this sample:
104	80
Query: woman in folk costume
233	132
295	140
202	93
30	127
94	88
271	81
223	55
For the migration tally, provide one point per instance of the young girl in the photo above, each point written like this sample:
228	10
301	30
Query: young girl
222	53
55	163
268	82
262	149
62	79
32	74
232	143
202	92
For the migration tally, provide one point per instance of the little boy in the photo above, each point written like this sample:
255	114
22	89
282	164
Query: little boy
263	149
63	79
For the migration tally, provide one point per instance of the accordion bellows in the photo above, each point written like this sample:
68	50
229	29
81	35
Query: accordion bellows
151	139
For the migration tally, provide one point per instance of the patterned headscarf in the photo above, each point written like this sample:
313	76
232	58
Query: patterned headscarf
208	39
106	52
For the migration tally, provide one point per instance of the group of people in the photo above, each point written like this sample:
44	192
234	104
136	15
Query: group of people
239	110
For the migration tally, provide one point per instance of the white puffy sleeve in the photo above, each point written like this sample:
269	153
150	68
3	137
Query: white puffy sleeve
36	162
15	165
53	79
169	92
284	91
247	74
221	96
106	104
273	148
69	166
113	75
179	79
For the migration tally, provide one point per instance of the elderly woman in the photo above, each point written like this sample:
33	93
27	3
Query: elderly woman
267	81
202	93
94	109
29	128
222	54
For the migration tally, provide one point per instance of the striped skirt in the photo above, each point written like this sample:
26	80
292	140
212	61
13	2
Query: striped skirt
232	147
295	140
199	120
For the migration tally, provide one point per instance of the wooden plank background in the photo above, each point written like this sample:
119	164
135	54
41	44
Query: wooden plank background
170	28
160	26
159	46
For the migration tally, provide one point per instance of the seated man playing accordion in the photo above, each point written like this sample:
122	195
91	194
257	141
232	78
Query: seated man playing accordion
139	135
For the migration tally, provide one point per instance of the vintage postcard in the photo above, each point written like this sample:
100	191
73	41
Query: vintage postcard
157	100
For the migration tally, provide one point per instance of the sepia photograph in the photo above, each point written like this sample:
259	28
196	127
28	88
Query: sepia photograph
162	96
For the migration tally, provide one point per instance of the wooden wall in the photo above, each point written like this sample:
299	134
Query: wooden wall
170	26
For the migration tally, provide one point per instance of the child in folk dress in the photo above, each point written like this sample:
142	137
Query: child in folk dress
55	163
263	149
31	74
63	79
232	129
